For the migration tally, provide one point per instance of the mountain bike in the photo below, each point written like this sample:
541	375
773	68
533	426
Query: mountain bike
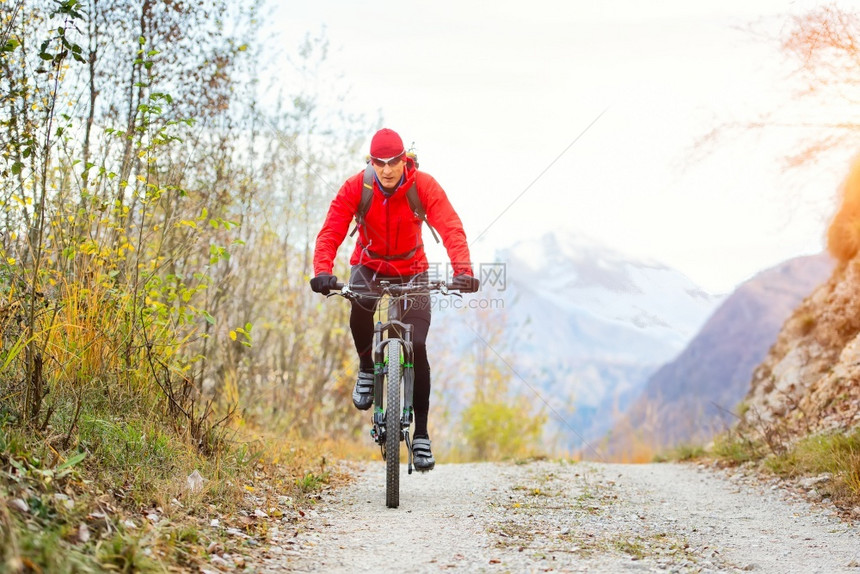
393	369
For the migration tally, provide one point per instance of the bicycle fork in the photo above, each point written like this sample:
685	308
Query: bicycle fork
380	369
408	389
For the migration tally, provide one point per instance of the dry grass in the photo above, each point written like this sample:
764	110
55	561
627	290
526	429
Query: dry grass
837	454
637	451
133	469
633	443
681	453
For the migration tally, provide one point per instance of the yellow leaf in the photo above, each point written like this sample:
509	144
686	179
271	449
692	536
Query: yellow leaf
233	335
10	260
249	488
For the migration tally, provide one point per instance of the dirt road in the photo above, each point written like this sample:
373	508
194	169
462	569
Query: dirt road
565	517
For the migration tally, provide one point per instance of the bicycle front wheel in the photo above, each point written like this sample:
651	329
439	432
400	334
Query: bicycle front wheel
392	427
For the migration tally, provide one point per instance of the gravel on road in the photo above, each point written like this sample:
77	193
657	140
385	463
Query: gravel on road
559	516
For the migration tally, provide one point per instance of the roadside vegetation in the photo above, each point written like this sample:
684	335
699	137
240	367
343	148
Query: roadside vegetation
167	379
827	464
151	361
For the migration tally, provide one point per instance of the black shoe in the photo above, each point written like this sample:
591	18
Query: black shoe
362	394
422	456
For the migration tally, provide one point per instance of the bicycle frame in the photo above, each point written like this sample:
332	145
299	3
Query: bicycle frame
393	339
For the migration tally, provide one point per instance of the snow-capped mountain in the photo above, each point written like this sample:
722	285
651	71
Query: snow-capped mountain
586	326
654	309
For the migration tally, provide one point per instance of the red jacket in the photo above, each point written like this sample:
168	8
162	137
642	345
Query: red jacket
391	228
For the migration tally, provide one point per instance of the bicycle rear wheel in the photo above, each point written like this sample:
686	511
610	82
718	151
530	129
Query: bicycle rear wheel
392	427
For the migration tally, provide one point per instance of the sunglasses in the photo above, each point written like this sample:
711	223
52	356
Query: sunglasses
390	161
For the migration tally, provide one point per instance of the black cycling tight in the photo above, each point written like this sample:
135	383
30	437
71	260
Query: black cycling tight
417	314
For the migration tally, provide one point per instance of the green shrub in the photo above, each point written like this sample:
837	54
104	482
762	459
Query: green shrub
834	453
736	448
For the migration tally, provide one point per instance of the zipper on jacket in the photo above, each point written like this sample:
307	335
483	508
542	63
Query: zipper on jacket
397	234
387	225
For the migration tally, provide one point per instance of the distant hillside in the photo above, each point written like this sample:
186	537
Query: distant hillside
589	325
694	396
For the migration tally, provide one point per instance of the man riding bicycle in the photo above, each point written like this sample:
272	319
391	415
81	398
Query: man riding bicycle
389	248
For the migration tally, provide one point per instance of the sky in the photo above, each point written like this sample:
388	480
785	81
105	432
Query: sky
585	116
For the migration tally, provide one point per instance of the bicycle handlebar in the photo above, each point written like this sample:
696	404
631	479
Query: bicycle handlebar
397	289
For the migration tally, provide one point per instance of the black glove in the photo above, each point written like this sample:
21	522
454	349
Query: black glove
465	284
323	283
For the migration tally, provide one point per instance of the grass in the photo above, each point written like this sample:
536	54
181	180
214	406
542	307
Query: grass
119	472
736	448
123	553
97	477
834	453
681	453
312	482
636	548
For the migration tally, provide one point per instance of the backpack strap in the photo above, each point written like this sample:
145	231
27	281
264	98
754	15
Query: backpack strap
418	207
366	198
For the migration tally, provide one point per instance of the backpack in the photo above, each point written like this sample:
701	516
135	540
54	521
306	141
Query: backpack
367	196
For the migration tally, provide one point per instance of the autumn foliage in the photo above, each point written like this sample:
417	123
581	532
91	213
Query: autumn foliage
843	235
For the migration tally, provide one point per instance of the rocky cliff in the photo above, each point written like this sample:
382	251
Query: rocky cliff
810	379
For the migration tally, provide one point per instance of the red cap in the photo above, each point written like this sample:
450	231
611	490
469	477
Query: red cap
386	144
